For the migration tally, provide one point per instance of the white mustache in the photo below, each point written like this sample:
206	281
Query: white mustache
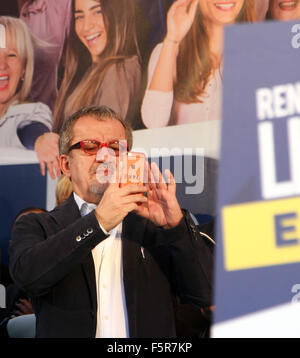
106	172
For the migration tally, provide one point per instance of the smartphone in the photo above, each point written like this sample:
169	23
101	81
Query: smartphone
133	169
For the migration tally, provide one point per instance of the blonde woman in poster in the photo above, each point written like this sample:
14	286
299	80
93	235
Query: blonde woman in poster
102	60
21	120
184	73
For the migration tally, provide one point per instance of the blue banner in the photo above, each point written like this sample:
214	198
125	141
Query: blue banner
258	238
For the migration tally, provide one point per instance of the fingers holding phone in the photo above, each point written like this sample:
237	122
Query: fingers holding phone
117	202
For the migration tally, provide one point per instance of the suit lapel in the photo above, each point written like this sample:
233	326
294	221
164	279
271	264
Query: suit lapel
132	239
88	269
65	214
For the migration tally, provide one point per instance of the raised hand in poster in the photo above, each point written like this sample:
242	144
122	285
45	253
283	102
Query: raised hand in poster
180	18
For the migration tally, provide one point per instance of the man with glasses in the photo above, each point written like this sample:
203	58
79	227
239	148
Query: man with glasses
106	262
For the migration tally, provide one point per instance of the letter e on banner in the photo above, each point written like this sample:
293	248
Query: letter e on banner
281	229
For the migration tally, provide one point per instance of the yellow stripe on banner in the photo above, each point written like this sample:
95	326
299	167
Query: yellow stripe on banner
261	234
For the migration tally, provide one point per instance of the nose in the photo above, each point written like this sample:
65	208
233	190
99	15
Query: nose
88	24
105	154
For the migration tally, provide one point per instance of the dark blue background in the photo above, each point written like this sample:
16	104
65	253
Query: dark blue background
21	186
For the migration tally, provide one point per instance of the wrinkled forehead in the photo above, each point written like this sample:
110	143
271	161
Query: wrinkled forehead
93	127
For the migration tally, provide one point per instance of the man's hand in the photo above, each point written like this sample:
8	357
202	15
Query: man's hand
117	202
162	207
25	307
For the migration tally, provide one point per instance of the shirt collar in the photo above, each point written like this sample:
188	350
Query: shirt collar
80	202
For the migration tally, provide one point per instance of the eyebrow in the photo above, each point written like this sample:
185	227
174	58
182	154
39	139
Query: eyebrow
91	8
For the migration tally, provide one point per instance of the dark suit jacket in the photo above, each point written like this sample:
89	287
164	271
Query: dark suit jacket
51	259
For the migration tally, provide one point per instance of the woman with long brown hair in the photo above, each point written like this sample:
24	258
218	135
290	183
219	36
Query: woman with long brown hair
184	73
102	62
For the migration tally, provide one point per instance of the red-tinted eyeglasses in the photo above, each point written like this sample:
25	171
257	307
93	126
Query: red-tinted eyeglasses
91	146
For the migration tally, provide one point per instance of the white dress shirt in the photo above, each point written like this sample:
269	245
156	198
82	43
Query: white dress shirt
112	319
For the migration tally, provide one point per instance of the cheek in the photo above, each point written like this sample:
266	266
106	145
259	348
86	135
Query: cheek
240	7
17	74
17	68
102	43
79	176
78	29
105	39
203	6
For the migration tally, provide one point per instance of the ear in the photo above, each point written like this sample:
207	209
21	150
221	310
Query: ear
22	75
64	162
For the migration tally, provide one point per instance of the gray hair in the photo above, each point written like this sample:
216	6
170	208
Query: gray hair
99	112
